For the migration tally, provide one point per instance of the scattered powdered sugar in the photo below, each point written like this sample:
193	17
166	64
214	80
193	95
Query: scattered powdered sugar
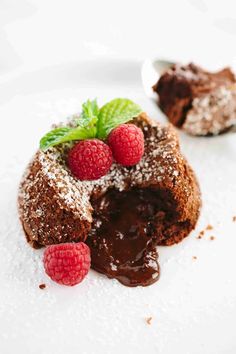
212	113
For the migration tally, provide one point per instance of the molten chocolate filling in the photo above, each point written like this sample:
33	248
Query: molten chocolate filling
126	228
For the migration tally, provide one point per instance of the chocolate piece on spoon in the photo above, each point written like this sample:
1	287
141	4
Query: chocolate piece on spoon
198	101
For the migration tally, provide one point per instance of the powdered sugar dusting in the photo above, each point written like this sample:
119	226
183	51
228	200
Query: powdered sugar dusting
70	193
212	113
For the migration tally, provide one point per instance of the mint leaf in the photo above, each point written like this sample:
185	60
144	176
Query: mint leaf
115	112
89	113
88	117
63	135
86	128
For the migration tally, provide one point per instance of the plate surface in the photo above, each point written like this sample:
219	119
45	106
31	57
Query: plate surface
193	306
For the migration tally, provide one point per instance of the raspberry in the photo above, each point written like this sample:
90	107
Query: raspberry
127	144
67	263
90	159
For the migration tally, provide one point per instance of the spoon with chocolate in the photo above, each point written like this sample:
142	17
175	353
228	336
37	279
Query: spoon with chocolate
200	102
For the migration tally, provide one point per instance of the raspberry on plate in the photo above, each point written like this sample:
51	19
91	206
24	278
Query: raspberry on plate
90	159
127	144
67	263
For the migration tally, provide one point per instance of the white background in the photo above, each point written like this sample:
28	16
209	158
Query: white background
36	33
53	56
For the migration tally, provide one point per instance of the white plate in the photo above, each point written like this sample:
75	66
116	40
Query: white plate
193	306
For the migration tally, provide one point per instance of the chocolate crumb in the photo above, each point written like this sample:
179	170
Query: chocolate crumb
42	286
209	227
149	320
194	257
212	238
234	218
201	234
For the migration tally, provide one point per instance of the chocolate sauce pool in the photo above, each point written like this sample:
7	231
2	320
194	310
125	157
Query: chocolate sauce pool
124	235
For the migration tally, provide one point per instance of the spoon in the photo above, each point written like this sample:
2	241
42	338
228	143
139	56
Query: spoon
151	71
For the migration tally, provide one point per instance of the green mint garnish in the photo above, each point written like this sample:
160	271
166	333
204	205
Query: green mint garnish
93	122
114	113
63	135
89	116
86	128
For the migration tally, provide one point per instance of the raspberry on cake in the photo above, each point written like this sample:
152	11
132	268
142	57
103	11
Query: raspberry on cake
124	215
90	159
198	101
127	144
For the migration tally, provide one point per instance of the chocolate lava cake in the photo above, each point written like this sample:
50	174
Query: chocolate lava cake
122	216
198	101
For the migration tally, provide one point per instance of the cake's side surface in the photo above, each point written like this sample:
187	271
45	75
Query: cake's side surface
55	207
52	208
200	102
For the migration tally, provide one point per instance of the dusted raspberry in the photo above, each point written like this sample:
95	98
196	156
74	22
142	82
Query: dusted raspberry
127	144
67	263
90	159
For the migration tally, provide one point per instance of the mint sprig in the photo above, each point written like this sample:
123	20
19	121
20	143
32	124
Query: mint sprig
93	122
